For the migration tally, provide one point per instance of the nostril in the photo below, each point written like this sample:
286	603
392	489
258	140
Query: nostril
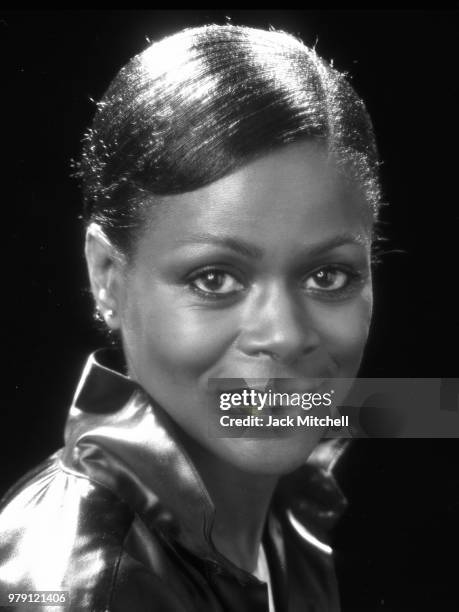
278	326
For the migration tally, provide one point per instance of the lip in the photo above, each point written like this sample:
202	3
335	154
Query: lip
263	385
275	406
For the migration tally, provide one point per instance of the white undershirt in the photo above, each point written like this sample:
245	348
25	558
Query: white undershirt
262	573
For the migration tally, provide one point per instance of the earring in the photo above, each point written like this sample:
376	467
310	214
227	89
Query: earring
109	313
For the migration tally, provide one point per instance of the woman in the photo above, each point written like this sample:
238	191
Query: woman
231	188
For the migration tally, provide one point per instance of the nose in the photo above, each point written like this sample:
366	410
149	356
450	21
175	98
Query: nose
278	324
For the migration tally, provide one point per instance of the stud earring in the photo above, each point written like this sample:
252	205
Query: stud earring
109	313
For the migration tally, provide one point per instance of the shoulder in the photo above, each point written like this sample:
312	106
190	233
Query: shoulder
61	531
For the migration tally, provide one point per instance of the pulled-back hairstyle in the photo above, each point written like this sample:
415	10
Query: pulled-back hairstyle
197	105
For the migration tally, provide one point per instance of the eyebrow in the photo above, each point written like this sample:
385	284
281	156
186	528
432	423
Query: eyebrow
247	249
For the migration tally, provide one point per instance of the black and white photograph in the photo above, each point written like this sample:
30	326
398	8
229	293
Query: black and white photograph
231	321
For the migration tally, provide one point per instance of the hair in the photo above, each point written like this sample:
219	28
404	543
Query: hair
198	105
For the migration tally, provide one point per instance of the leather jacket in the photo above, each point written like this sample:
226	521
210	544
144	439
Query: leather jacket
120	518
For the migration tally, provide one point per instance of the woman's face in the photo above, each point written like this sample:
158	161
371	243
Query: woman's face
262	274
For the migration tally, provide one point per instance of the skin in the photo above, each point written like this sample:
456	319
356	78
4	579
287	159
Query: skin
262	274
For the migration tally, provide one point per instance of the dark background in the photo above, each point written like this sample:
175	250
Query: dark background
394	542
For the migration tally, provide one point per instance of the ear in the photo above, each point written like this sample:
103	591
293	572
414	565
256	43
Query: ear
105	269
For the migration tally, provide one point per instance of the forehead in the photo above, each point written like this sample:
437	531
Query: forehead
295	194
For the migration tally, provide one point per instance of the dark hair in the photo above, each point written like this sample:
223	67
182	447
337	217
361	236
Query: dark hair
197	105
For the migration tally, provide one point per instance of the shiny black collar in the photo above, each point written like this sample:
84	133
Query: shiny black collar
118	436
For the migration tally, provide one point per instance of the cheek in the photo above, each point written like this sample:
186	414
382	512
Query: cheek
344	331
178	339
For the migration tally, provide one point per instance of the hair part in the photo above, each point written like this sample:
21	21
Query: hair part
197	105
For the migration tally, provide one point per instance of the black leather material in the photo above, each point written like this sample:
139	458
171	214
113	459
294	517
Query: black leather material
120	518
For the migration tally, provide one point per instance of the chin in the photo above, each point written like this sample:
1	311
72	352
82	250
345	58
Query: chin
273	456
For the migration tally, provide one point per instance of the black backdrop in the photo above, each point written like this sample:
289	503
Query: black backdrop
393	542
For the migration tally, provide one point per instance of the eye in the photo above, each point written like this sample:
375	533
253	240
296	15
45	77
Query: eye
214	282
332	279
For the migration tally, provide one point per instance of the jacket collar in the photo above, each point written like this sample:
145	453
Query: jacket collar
118	436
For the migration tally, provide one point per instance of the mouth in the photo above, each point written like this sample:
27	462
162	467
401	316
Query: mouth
266	385
265	396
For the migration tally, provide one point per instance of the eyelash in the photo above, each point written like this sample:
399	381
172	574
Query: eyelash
355	278
208	295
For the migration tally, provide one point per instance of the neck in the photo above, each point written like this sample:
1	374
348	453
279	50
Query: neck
241	501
